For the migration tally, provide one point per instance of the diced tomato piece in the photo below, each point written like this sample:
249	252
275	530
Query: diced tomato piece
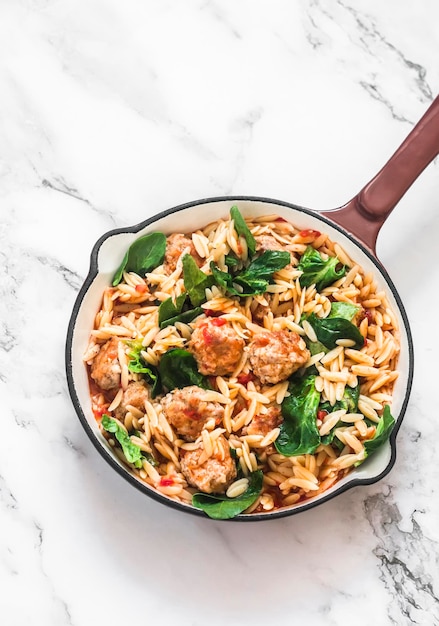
141	288
165	481
263	341
321	414
192	414
98	411
219	321
206	335
212	313
310	232
244	379
280	219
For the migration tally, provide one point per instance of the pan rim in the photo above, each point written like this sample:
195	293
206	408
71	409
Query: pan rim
287	512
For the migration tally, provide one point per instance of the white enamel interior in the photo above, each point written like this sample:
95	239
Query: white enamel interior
192	218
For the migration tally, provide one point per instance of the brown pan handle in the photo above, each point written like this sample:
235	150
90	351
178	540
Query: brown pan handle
364	215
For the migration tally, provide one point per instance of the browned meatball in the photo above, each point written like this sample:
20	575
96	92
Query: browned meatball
267	242
188	411
274	356
105	369
216	346
215	474
175	245
263	423
134	395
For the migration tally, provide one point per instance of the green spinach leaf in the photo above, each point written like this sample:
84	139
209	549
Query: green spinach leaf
383	430
133	453
330	329
195	281
350	399
298	432
138	365
185	317
349	402
118	275
251	286
178	369
315	347
169	308
243	230
234	286
264	266
256	278
218	506
317	271
344	310
144	255
231	261
224	280
170	312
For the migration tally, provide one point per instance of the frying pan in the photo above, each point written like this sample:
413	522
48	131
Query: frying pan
355	226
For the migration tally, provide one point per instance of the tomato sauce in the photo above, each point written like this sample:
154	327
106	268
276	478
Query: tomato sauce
310	232
212	313
218	321
192	414
141	288
244	379
165	481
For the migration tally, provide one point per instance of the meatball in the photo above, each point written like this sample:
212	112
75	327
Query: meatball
175	246
216	346
188	411
134	395
267	242
105	369
263	423
274	356
215	474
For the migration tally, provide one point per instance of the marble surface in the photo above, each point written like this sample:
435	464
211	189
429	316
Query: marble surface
111	111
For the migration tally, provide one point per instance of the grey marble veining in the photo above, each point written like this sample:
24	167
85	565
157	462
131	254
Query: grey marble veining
111	112
408	561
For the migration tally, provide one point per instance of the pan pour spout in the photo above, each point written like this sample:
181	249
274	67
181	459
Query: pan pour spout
364	215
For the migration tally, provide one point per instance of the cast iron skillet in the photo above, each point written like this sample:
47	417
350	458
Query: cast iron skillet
355	226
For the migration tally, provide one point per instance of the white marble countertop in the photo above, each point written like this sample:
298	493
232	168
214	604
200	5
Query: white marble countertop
112	111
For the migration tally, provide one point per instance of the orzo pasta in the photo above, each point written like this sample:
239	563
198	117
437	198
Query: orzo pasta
242	368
